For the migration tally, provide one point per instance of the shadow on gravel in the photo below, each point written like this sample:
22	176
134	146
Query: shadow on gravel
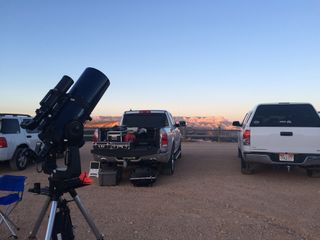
4	167
282	171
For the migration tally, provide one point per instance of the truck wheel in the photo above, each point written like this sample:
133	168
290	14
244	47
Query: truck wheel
246	168
309	172
19	160
170	166
239	153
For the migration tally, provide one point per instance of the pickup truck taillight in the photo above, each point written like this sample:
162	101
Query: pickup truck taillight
246	137
163	140
3	142
95	136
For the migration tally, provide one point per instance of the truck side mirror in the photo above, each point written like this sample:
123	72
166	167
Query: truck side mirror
236	124
182	124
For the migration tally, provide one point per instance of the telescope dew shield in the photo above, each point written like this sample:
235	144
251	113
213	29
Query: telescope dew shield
90	87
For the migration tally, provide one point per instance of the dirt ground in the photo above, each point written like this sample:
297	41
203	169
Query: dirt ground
206	198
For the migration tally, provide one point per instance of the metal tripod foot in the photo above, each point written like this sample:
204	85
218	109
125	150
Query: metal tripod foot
52	216
37	224
33	234
54	205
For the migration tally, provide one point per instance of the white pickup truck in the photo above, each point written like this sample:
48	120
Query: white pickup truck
280	134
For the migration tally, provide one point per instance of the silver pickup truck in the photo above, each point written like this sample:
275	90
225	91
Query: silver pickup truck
144	138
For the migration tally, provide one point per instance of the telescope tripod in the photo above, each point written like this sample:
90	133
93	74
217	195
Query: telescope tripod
59	224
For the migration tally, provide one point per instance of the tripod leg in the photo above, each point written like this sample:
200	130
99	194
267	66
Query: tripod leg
51	219
85	214
36	227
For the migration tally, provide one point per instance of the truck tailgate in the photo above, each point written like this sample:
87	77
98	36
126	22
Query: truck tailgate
286	140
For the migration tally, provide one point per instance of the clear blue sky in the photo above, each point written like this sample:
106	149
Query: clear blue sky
194	58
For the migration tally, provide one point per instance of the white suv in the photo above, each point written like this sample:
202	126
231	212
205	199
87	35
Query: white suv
280	134
16	142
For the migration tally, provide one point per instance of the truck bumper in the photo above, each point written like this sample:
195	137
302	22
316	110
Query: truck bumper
303	160
4	154
159	157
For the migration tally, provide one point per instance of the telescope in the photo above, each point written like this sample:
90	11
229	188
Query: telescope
60	119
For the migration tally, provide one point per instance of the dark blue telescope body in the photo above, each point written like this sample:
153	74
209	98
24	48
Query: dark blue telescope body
79	103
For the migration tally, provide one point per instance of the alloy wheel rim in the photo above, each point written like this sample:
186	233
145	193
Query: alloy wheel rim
22	161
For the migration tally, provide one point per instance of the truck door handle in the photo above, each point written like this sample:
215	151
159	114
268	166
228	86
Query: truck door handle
29	136
286	133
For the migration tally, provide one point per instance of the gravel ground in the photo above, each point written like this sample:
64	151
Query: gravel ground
206	198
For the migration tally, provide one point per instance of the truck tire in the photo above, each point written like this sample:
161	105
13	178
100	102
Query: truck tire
246	168
239	153
169	167
19	160
313	172
309	172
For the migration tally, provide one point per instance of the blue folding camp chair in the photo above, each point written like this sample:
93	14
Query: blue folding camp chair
13	187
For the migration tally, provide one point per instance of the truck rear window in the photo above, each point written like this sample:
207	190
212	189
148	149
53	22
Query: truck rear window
145	120
293	115
9	126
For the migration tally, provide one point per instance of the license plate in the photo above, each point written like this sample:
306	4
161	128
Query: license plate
101	145
286	157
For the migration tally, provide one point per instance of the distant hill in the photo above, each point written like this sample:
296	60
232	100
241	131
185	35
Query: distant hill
103	121
207	122
196	122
